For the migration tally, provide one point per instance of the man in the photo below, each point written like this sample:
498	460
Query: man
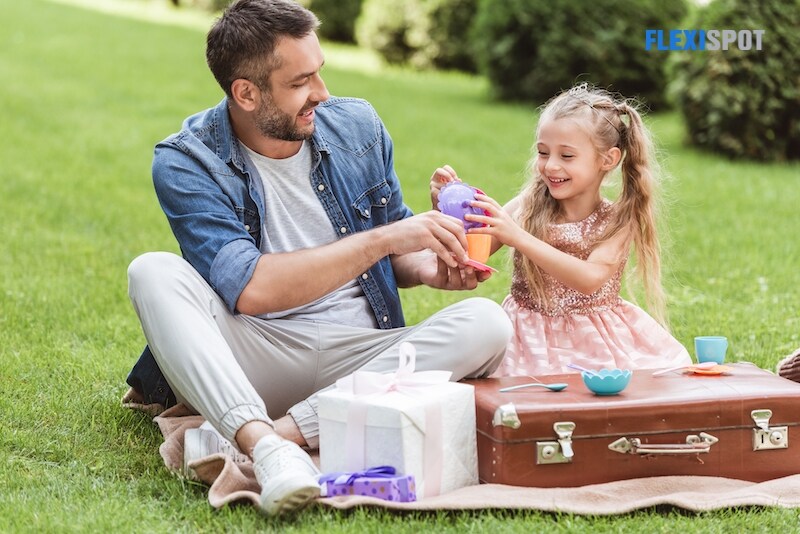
295	239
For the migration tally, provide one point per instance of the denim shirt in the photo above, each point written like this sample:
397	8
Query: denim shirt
212	196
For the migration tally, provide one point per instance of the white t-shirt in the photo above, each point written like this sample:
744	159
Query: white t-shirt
295	220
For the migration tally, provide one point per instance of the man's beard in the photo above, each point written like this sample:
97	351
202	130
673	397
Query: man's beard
274	123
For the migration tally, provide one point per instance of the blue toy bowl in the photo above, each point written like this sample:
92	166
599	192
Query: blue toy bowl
607	381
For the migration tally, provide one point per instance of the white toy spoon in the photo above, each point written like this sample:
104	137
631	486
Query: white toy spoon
579	368
704	365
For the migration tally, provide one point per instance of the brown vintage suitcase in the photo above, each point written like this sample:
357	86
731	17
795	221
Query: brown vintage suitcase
736	425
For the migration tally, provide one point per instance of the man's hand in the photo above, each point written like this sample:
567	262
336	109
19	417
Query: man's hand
442	234
438	275
430	248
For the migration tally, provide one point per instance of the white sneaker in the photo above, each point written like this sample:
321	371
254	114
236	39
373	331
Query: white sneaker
288	476
205	441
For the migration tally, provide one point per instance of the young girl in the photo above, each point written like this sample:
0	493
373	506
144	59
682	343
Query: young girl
571	244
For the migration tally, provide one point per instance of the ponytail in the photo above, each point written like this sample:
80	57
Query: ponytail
637	206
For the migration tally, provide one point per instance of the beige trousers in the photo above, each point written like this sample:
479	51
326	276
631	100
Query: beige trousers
233	369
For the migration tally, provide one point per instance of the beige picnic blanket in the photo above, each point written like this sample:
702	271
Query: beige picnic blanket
230	482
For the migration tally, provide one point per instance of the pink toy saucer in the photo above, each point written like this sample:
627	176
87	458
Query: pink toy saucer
481	266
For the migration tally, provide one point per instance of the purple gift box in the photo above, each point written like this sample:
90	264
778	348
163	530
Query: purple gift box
380	482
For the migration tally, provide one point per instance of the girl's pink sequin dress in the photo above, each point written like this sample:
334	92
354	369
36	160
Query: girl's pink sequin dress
593	331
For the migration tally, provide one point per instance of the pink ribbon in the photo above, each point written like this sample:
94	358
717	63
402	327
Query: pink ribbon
366	384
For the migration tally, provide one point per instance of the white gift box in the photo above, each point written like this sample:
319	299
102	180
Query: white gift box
422	429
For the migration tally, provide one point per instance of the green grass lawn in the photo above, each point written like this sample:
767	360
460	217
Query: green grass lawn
85	96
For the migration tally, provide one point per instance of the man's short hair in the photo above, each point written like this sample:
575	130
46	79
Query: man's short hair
241	43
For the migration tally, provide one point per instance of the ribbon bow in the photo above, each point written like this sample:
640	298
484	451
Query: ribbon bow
404	380
382	471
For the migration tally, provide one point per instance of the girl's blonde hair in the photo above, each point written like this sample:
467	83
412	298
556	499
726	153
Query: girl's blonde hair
602	115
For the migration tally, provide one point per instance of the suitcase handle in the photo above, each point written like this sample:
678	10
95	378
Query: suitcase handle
695	444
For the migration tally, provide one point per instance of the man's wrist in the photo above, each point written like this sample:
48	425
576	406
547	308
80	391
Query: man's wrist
379	242
412	266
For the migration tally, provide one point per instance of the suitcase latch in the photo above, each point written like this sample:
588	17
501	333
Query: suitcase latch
766	437
560	451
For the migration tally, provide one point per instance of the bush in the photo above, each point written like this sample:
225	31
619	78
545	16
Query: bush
209	5
423	33
532	49
338	18
384	25
744	103
441	36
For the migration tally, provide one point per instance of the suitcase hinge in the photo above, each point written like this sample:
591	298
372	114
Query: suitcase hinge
560	451
766	437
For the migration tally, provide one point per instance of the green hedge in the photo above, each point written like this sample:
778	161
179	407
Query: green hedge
422	33
338	18
383	26
441	36
209	5
744	103
532	49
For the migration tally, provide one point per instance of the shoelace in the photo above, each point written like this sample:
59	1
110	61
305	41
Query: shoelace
226	447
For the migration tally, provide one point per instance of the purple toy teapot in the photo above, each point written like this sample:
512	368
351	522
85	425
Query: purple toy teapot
454	200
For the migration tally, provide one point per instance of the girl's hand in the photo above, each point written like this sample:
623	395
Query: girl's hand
500	224
442	175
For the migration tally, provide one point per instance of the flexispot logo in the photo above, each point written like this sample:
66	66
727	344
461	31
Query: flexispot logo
703	39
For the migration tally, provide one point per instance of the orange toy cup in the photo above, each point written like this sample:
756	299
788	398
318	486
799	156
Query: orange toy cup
479	246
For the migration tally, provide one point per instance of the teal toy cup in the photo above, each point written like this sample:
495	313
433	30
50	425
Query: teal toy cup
710	348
